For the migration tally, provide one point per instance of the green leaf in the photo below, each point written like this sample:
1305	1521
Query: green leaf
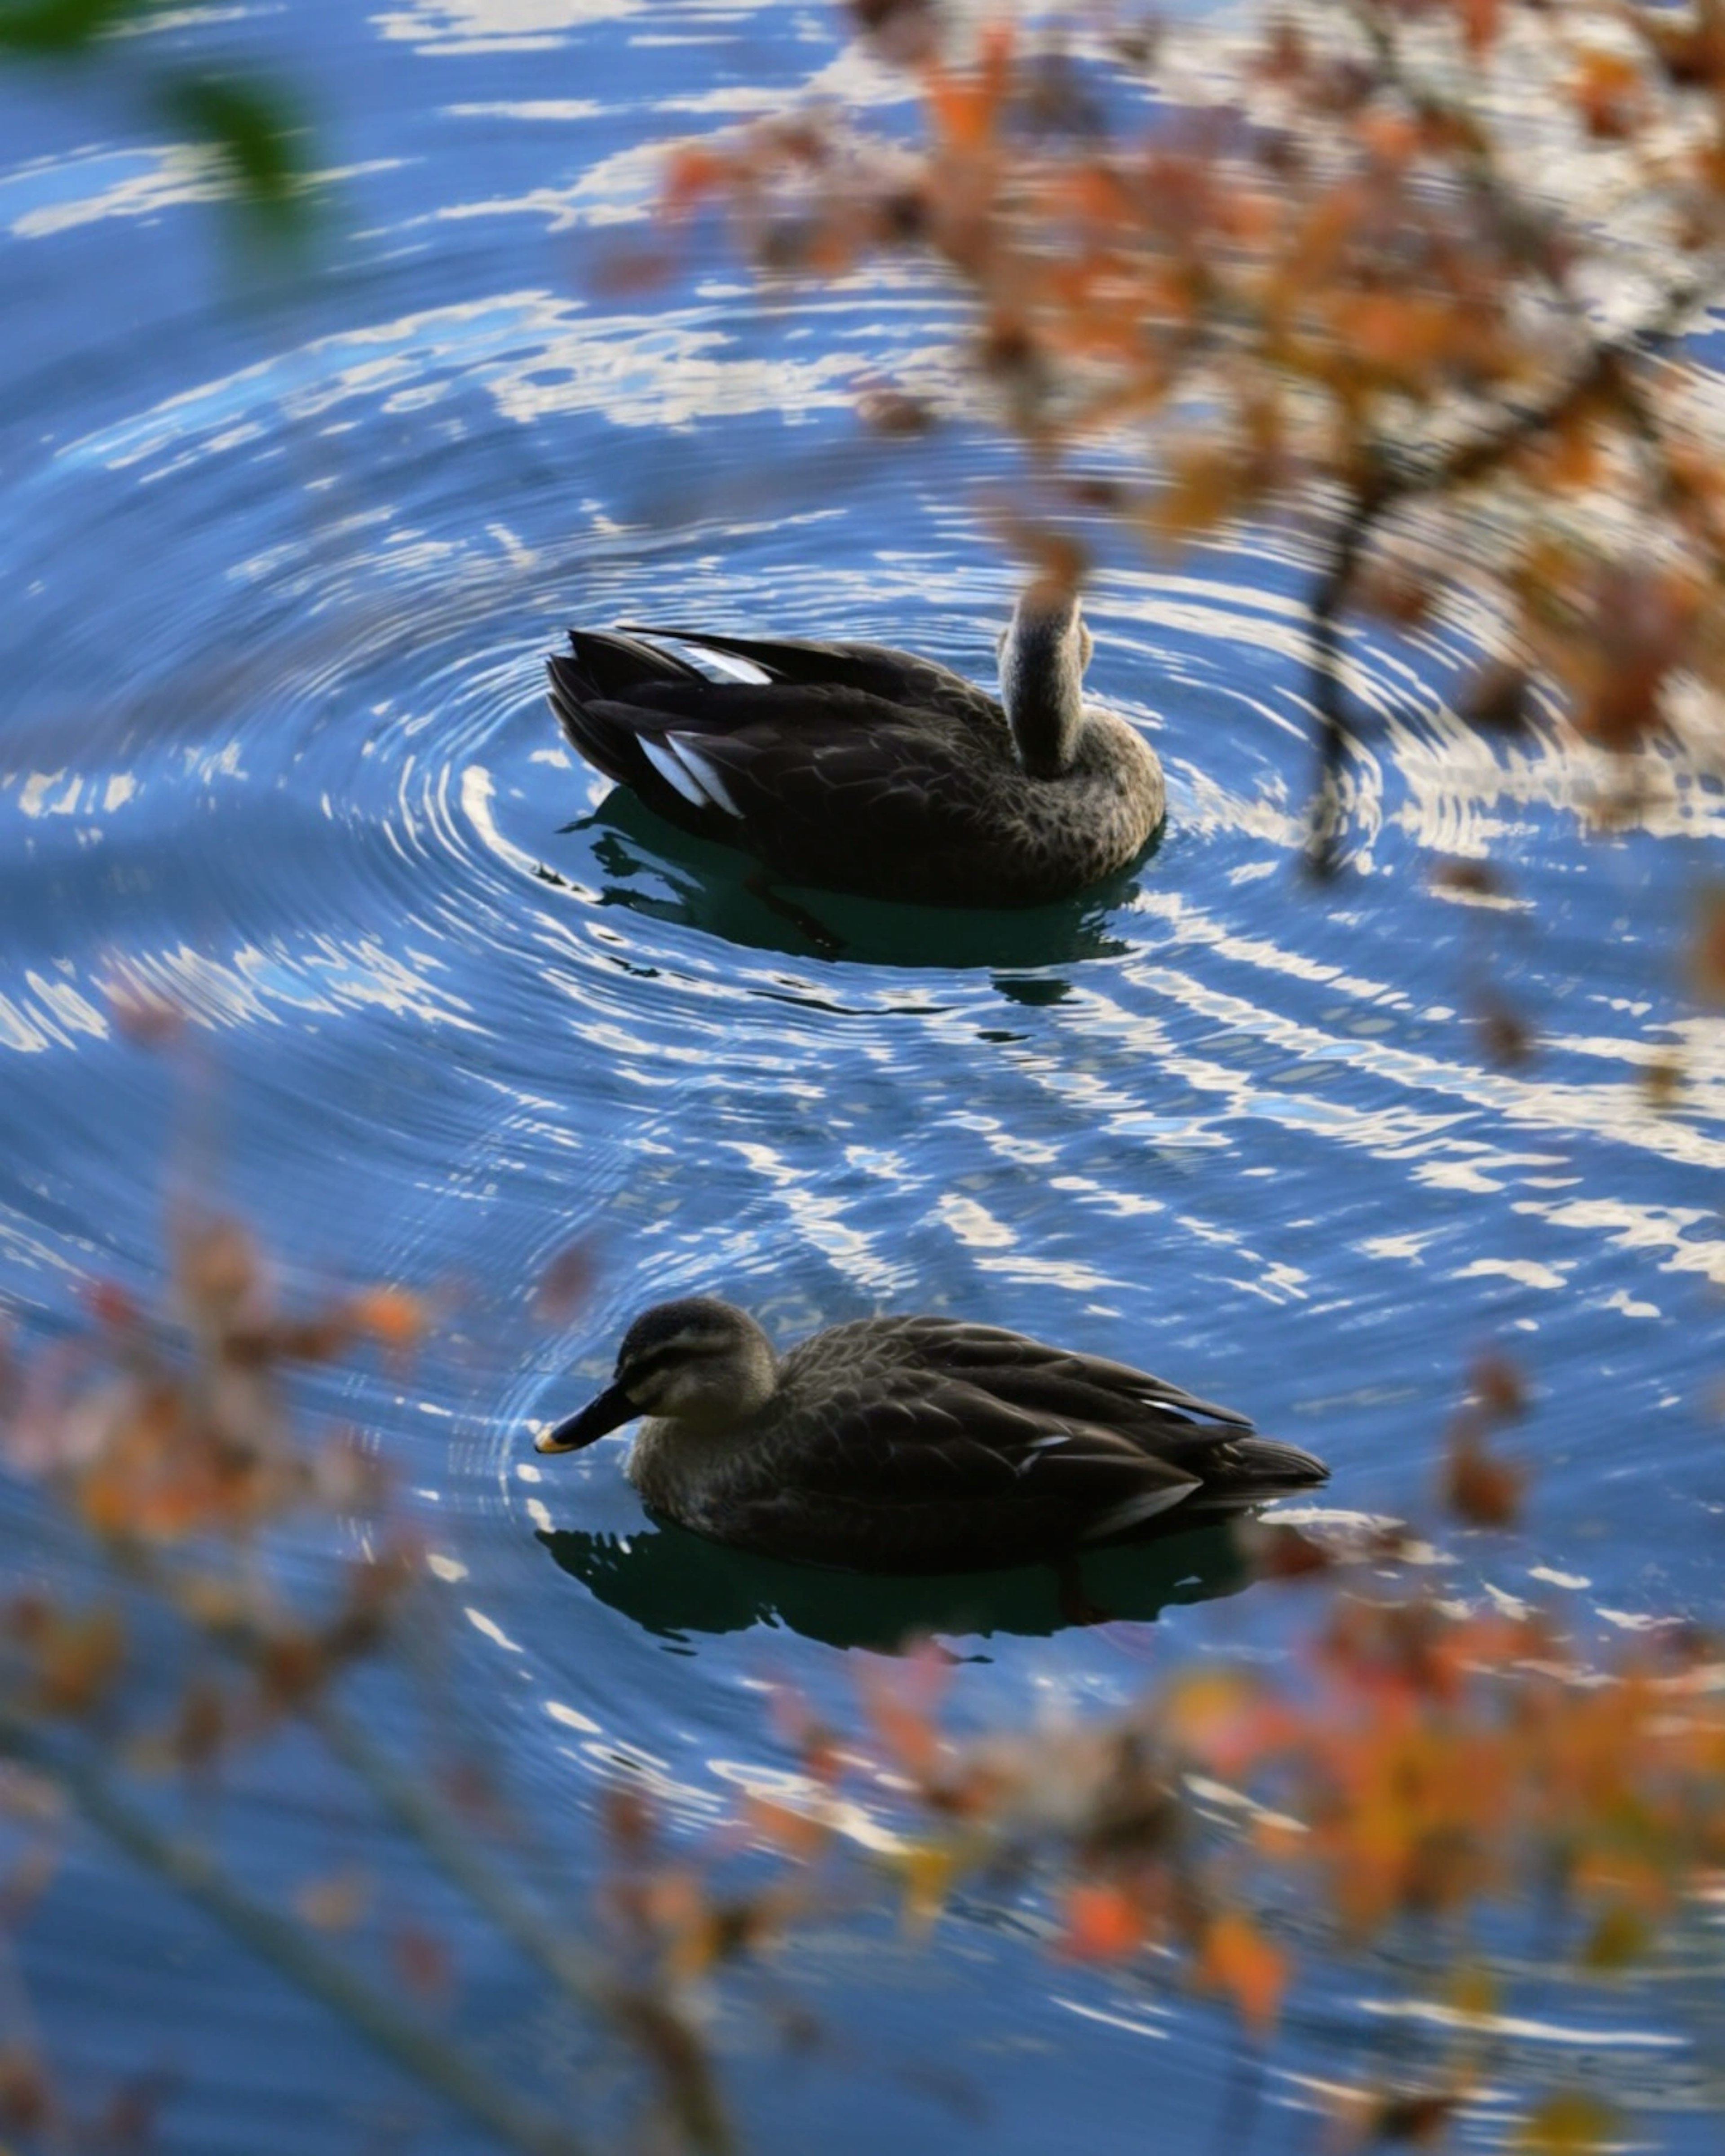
256	134
48	27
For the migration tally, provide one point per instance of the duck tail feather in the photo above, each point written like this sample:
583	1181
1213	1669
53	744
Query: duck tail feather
1145	1504
605	663
608	747
775	658
1251	1468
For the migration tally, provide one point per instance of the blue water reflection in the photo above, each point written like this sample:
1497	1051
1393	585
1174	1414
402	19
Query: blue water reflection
282	570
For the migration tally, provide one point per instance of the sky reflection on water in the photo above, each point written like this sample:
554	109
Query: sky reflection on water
277	747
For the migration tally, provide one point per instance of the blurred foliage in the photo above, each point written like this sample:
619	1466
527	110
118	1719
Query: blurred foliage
1458	1790
164	1627
1412	274
1333	287
249	127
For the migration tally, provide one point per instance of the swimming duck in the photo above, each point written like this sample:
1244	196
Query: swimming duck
859	769
906	1445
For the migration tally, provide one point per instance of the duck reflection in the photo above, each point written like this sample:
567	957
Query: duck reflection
675	1585
649	867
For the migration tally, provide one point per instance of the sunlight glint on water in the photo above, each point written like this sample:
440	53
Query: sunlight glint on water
277	747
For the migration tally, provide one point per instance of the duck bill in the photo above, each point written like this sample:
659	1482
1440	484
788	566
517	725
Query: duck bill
596	1420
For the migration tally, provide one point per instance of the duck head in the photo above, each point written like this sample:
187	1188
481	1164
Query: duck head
1043	656
699	1362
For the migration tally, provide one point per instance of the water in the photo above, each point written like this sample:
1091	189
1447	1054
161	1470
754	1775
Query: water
281	568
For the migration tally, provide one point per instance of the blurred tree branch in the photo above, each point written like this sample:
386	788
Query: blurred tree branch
1431	254
424	2054
171	1441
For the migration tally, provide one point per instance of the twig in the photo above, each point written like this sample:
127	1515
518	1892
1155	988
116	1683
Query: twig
1328	598
1391	481
578	1974
575	1973
426	2056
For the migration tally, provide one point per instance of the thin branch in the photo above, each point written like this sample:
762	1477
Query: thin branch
1393	481
1329	697
578	1974
426	2055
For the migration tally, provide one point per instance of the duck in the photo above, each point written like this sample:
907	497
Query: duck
916	1444
859	769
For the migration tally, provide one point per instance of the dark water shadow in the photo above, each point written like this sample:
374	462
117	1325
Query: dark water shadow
675	1583
649	866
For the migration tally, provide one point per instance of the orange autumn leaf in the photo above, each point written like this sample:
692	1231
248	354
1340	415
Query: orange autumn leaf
77	1659
391	1315
783	1828
1391	138
1620	1938
1247	1968
111	1306
1467	879
1420	2119
902	1699
1610	95
1692	51
1388	334
565	1281
423	1961
1707	961
1205	486
144	1016
219	1271
1099	194
335	1902
1480	20
1103	1923
966	108
1213	1715
1574	460
1570	2123
1499	1385
927	1870
692	173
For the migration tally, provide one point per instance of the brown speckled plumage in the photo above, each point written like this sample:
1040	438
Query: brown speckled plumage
904	1445
854	767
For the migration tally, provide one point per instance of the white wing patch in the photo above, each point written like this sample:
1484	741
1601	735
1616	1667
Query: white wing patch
688	769
1136	1510
1034	1451
706	773
664	760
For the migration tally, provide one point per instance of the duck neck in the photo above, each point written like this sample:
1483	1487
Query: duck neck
754	1376
1043	657
724	1391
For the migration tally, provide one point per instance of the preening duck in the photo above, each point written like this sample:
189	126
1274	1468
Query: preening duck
855	767
907	1444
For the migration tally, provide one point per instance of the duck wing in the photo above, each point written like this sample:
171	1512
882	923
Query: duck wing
902	1449
875	669
1234	1465
1061	1380
923	1444
790	771
901	1472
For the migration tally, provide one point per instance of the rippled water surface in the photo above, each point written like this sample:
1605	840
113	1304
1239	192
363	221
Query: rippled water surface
281	567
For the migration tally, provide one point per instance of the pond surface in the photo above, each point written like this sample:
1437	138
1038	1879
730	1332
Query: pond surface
281	569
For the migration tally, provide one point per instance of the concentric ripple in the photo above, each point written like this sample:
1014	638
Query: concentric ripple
278	751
